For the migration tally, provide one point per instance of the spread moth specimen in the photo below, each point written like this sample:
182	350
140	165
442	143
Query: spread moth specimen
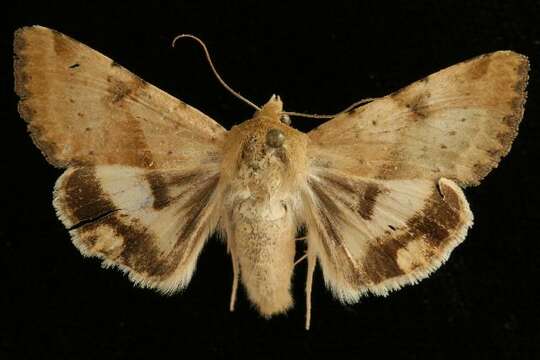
378	188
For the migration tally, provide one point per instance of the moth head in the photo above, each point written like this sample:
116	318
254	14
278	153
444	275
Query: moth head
273	111
275	133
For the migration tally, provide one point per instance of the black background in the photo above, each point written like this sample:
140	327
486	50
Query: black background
319	58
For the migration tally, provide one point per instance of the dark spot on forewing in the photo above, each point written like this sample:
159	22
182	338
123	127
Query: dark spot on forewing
119	90
415	101
83	196
419	106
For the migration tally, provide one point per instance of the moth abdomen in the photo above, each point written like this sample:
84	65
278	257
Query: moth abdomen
263	236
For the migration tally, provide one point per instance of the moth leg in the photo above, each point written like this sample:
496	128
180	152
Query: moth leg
312	261
303	256
300	259
236	273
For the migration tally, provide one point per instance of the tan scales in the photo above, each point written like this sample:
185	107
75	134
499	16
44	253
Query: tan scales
149	178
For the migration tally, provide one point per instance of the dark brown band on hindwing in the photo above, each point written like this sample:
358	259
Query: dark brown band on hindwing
83	198
435	225
401	253
137	250
119	236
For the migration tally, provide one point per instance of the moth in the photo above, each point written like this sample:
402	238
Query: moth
378	189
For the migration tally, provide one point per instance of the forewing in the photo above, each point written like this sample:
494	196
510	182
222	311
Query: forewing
456	123
151	224
82	108
379	235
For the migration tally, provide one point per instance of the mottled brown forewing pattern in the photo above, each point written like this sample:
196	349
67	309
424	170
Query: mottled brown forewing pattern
378	188
112	115
457	123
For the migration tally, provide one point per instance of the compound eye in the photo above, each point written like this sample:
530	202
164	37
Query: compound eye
275	138
284	118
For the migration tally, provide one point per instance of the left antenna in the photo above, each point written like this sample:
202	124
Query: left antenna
209	59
